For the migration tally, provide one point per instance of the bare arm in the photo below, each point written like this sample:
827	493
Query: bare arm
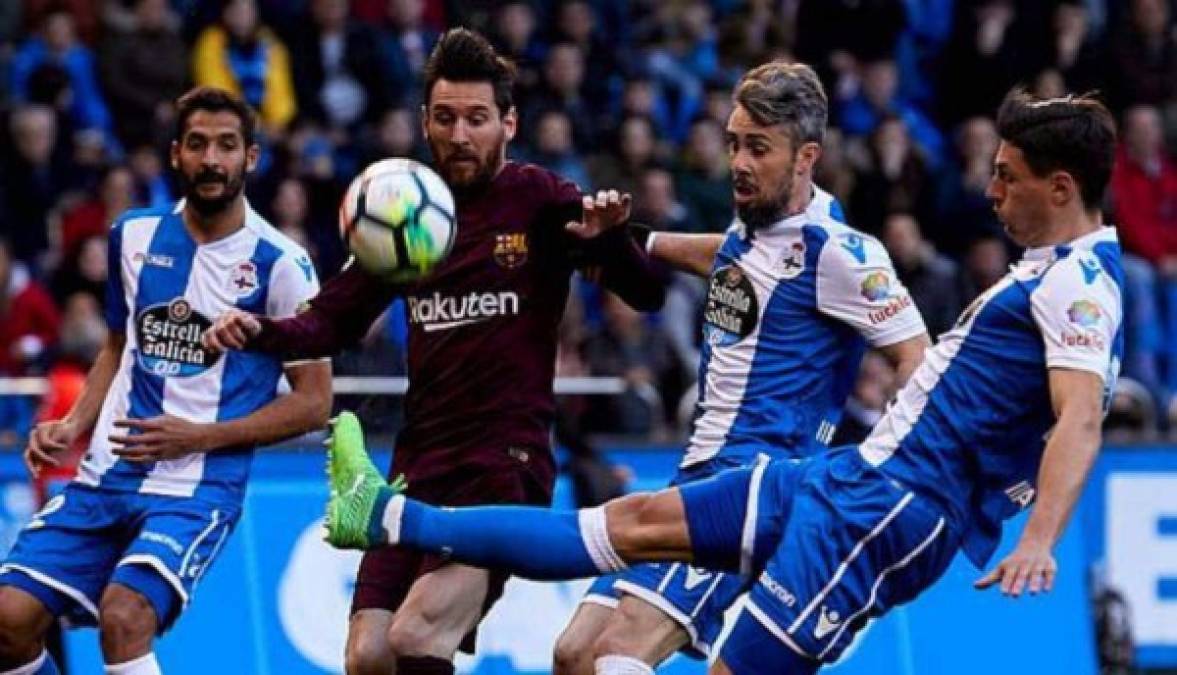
54	436
693	253
1076	397
906	355
304	409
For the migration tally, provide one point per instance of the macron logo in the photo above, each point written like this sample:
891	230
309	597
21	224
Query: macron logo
827	622
443	312
1090	270
695	577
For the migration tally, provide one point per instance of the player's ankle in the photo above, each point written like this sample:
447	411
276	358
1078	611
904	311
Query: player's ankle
616	664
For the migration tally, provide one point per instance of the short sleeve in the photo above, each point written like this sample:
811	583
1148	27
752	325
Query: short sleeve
857	285
1078	309
292	285
116	297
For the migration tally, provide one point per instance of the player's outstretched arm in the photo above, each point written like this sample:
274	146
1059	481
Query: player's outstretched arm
1076	396
49	438
691	253
337	318
611	256
304	409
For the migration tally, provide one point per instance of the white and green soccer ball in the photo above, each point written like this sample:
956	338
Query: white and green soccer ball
397	218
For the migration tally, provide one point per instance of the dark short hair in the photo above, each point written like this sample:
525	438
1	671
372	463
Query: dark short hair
1075	134
462	55
785	93
212	99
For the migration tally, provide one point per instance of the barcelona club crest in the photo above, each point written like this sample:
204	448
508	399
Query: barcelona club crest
510	249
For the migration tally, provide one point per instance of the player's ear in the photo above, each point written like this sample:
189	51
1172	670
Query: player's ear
1063	188
174	155
807	158
510	123
425	122
251	156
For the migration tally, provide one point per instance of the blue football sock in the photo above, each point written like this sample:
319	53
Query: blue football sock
532	542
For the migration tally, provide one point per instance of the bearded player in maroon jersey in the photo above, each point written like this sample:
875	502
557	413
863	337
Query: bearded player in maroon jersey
481	353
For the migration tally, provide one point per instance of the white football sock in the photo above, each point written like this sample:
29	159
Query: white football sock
392	519
621	665
144	665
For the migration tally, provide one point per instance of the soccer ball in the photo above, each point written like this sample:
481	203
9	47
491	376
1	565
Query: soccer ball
397	218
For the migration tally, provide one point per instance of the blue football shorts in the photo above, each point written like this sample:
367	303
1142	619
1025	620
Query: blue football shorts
86	538
694	597
826	543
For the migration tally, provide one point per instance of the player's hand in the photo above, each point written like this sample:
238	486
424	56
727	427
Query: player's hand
1031	567
160	438
232	330
607	210
48	439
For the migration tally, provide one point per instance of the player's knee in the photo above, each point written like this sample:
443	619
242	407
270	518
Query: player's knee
413	635
634	523
369	654
573	655
127	622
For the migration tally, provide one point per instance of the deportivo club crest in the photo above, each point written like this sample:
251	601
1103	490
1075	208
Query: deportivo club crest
510	249
793	263
243	280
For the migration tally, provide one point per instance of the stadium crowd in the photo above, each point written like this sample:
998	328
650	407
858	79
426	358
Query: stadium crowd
632	95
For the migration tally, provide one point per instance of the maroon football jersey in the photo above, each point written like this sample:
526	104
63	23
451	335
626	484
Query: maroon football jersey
482	326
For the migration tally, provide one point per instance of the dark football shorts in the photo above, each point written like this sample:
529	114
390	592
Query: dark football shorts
526	476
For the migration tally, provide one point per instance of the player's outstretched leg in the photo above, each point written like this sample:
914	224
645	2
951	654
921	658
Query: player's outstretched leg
537	543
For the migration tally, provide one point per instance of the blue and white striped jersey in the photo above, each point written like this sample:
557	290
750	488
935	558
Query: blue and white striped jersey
790	309
163	291
971	425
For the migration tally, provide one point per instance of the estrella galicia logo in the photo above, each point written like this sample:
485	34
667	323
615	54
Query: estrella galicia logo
732	309
169	340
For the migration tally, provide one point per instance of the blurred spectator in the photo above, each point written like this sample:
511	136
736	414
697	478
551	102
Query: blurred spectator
986	261
983	60
93	217
634	150
28	318
144	68
895	177
576	22
641	96
877	98
243	56
834	36
1077	49
562	89
702	181
683	60
834	172
340	74
933	279
516	37
1144	202
152	189
717	103
397	135
868	400
290	212
757	32
627	346
554	149
656	204
963	212
83	270
57	48
1144	56
35	175
920	49
407	41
